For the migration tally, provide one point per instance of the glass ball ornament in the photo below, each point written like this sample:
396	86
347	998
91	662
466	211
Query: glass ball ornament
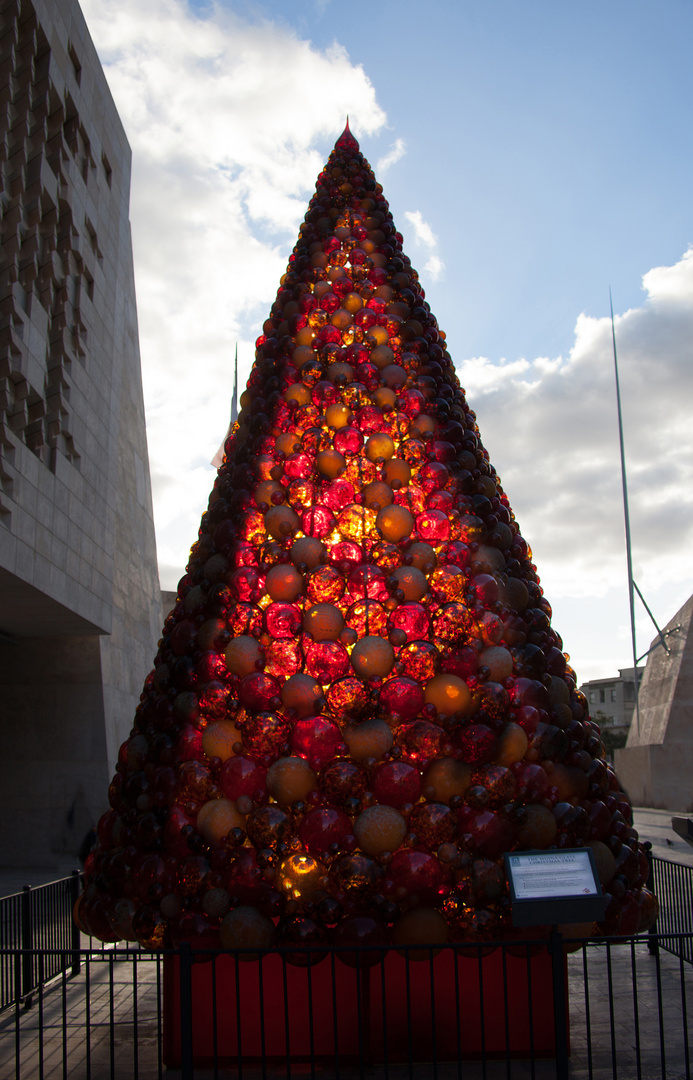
394	523
241	776
244	655
216	819
219	739
379	829
342	780
246	928
268	826
417	876
300	876
323	829
316	738
420	926
396	783
302	695
372	656
370	740
304	936
290	779
355	938
401	698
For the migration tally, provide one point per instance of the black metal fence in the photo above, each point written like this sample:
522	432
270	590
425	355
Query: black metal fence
38	922
118	1012
673	884
461	1011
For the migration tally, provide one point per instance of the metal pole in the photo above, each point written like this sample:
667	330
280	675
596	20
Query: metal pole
560	1003
234	396
626	515
74	929
28	944
186	1018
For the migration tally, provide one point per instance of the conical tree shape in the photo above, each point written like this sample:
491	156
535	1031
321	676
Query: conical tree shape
359	702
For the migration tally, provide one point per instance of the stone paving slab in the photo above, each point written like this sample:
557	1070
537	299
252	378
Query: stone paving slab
655	826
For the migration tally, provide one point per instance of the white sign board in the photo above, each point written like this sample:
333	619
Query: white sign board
553	886
556	873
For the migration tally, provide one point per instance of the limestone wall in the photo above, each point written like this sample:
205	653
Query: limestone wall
78	577
656	765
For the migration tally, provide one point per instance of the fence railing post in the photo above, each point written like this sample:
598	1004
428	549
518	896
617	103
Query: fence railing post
186	1023
560	1003
27	945
652	938
74	929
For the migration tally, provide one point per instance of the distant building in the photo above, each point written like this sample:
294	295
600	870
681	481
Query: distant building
79	594
614	699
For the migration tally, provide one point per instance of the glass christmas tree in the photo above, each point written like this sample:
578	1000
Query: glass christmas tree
359	702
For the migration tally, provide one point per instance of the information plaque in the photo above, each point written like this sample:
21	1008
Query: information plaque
551	887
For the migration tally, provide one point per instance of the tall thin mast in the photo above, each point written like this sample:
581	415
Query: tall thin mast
234	396
626	515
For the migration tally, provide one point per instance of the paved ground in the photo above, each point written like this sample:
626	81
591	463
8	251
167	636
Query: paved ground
655	826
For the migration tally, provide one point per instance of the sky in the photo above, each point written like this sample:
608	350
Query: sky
534	155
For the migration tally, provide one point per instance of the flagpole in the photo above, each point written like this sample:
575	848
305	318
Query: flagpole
626	515
234	396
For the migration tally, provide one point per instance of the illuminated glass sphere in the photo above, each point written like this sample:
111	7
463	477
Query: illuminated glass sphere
299	876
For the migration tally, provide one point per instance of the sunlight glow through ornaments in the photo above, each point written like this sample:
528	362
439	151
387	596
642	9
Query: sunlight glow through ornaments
360	677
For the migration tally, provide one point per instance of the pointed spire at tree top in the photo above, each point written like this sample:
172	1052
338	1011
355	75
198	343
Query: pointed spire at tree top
346	140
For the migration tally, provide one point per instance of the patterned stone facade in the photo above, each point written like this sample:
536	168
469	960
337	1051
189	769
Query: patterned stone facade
656	764
79	599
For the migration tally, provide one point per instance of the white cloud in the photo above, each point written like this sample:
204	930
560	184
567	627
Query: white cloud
434	267
396	152
550	426
224	121
423	233
424	237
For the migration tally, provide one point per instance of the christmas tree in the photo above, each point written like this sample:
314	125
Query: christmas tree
359	702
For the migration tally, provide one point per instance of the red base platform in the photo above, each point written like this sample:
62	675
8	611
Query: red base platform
449	1007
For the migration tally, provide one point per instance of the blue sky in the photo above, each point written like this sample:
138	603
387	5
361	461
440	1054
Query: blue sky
550	144
533	154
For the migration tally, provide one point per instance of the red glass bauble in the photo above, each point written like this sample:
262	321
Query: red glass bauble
282	620
401	697
241	776
327	661
491	833
412	619
258	691
299	930
396	783
416	875
360	930
342	780
316	738
324	828
476	743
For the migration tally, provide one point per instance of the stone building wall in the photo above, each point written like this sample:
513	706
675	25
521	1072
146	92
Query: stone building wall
656	765
79	597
